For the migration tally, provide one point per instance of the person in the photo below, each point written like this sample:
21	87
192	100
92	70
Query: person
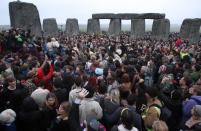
12	95
44	74
68	115
89	106
195	91
113	118
30	117
152	111
194	123
159	126
62	122
174	105
49	110
7	120
75	89
92	124
127	121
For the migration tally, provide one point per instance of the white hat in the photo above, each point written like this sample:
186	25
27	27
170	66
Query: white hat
7	116
119	51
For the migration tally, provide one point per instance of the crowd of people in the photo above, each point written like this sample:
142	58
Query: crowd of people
91	82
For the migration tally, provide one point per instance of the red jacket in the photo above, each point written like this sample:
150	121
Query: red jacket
178	42
41	77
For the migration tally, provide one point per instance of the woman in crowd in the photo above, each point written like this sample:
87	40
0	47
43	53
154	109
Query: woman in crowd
49	110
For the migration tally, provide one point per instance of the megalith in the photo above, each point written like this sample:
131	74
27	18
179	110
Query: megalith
25	15
50	27
114	27
161	29
93	26
190	29
72	27
137	28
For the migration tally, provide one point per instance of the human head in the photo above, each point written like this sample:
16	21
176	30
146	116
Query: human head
92	123
127	118
125	78
195	90
64	108
115	95
159	126
151	92
7	116
51	100
196	111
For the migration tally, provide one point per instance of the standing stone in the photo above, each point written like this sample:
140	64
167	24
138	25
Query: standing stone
93	26
114	27
190	29
137	28
72	27
50	27
25	15
161	29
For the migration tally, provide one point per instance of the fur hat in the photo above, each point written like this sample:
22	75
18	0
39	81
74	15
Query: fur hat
39	96
7	116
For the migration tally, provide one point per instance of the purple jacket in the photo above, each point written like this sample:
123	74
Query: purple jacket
188	105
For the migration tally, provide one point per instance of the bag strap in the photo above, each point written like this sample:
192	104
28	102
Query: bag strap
155	105
197	101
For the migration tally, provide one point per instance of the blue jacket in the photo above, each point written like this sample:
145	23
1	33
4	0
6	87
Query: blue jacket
188	105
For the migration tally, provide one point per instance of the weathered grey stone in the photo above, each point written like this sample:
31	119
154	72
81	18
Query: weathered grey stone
161	29
114	27
190	29
72	27
50	27
93	26
151	16
128	16
137	28
104	16
25	16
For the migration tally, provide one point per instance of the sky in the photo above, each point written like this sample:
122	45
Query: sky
176	10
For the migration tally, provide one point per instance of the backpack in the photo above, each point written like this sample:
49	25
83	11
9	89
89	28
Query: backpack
165	112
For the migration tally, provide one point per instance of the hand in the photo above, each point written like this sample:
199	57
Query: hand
83	93
46	57
49	62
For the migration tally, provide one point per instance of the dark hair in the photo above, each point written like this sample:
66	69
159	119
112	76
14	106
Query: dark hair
46	69
58	83
90	90
127	118
48	39
151	91
102	89
78	81
117	64
176	94
125	78
52	95
131	99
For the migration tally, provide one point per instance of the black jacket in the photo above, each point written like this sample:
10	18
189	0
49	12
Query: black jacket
175	105
30	118
71	124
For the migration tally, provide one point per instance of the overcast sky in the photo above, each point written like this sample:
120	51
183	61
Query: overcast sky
175	10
